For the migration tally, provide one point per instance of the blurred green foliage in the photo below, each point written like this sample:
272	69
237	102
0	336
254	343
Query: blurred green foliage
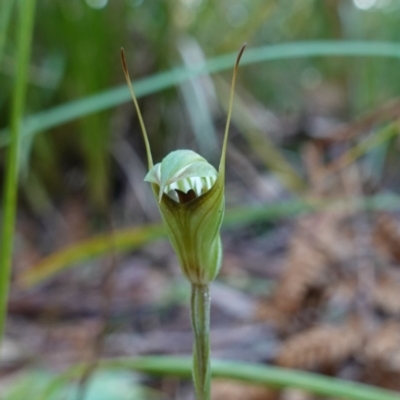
104	385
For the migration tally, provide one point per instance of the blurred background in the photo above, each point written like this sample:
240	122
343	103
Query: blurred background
311	274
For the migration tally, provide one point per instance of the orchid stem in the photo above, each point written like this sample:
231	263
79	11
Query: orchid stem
200	308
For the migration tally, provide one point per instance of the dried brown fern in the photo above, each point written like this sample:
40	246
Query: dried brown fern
316	243
320	346
387	236
386	295
383	347
341	294
319	245
231	390
296	394
319	240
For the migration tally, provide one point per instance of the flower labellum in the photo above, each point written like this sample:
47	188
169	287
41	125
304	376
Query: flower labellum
190	196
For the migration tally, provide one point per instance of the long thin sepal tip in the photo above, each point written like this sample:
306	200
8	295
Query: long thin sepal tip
142	126
228	120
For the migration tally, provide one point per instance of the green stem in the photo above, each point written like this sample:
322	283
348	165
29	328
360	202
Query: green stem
26	18
200	308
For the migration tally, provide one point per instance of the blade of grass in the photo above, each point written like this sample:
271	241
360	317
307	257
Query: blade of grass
131	239
101	244
260	374
113	97
274	377
25	27
383	135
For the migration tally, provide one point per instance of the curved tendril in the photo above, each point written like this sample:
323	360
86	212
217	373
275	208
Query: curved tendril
228	120
143	128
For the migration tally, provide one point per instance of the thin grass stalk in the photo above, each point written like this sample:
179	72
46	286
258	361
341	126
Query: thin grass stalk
259	374
70	111
200	310
26	13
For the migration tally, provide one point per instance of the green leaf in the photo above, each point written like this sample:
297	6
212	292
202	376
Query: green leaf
130	239
264	375
112	385
76	109
25	30
260	374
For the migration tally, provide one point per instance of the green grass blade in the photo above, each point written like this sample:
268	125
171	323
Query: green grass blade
25	28
94	247
260	374
133	238
263	375
361	148
113	97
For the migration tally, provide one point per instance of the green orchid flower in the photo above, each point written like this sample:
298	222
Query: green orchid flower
190	196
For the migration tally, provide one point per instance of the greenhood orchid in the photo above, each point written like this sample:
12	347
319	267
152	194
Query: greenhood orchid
190	196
